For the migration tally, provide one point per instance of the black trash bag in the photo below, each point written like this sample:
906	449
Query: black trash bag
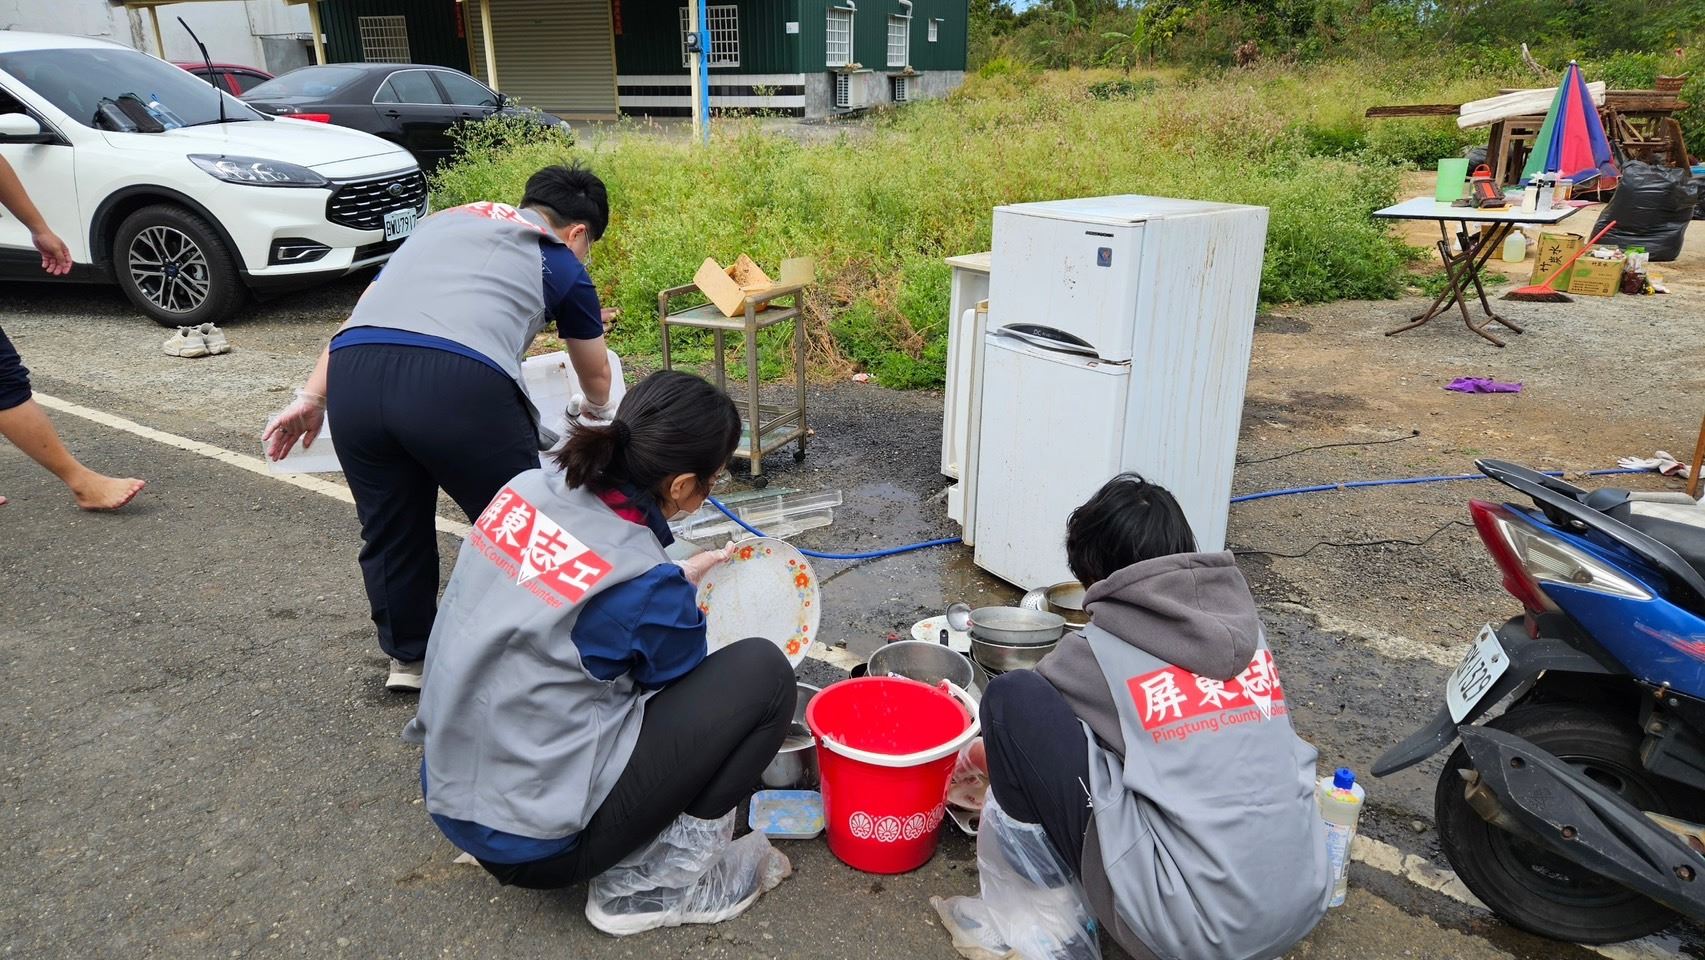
1476	157
1652	207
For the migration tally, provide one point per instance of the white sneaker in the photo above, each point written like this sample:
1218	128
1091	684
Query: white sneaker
187	342
214	338
404	677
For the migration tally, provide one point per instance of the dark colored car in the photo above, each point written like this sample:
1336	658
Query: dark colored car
414	105
233	78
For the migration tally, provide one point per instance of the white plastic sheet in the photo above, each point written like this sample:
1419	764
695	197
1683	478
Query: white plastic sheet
692	873
1031	907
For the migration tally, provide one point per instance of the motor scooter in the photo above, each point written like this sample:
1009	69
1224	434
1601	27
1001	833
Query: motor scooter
1576	813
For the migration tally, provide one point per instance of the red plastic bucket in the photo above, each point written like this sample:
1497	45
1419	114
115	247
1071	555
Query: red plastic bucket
888	746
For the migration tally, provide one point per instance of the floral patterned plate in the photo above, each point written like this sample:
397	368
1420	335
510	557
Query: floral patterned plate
767	590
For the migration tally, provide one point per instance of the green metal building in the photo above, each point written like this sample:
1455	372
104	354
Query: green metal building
595	58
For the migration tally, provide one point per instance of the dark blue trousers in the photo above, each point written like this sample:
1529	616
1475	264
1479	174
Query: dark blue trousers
14	377
409	421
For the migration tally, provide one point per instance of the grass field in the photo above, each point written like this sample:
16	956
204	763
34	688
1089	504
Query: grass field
880	209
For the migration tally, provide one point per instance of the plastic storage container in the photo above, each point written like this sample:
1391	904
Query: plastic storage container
1341	799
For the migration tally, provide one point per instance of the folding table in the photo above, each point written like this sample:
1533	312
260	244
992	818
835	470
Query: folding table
1462	269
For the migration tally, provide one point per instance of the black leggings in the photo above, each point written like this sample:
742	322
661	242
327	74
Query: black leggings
702	746
1038	760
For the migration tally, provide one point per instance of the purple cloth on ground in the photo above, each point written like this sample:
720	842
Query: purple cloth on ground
1482	385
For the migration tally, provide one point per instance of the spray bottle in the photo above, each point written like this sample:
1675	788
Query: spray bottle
1341	799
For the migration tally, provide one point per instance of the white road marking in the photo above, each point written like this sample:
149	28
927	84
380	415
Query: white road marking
1365	850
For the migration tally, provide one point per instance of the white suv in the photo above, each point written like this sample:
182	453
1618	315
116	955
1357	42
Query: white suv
185	196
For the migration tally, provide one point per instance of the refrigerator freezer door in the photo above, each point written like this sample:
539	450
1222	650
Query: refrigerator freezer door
1074	276
1050	433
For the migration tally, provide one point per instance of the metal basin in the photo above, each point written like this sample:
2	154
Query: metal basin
795	764
1003	657
1016	627
928	663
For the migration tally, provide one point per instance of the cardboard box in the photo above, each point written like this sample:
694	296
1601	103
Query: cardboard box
1552	251
730	287
1592	277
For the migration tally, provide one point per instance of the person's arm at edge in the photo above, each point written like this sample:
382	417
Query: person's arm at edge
55	256
591	361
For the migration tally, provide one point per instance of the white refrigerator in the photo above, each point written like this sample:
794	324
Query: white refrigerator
1119	333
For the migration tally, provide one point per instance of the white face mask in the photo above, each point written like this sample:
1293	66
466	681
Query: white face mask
678	516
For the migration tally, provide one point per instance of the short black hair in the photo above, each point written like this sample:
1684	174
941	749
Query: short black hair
1129	520
670	423
568	194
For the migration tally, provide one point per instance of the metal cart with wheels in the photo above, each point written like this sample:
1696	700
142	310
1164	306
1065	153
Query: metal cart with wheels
765	427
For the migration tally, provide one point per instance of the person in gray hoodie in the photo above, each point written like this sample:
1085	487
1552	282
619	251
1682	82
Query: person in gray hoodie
1154	748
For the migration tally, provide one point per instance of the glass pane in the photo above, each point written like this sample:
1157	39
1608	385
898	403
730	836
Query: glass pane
246	81
310	83
410	86
465	90
78	81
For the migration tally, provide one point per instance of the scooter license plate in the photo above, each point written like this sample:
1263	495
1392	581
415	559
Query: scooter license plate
399	224
1484	664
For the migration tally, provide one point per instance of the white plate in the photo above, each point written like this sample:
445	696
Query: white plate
929	631
1484	664
767	590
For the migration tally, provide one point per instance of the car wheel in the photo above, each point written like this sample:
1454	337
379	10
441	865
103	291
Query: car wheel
172	264
1529	886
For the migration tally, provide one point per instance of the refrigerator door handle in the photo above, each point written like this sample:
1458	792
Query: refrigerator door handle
1048	338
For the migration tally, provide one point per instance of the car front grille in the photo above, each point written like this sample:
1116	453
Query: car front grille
362	204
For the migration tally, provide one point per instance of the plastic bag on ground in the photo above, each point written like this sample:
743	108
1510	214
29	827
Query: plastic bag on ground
1652	207
694	872
1031	907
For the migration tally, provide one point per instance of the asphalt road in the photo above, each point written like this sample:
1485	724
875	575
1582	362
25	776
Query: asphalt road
200	760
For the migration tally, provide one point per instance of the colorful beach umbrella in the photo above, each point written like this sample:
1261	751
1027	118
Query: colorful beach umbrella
1571	143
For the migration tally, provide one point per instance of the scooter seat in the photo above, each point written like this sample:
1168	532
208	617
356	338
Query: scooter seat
1675	525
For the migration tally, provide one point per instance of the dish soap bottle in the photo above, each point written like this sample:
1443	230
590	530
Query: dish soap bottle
1341	799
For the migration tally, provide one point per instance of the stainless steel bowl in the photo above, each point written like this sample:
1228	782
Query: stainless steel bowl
1002	657
929	663
795	764
1016	626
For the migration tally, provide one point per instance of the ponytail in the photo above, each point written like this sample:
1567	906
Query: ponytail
670	423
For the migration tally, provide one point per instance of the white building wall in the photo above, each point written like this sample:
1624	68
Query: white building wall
260	33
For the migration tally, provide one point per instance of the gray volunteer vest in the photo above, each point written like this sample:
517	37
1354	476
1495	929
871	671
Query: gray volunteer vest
1208	832
519	737
472	275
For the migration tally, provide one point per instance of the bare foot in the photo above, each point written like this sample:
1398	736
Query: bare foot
98	492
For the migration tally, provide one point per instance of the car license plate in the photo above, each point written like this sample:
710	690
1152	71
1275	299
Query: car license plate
1484	664
399	224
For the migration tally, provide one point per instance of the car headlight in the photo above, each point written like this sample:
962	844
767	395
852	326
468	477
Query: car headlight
257	172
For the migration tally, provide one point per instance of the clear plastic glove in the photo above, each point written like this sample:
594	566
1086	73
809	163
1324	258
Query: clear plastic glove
699	564
1031	907
301	420
691	873
969	785
589	413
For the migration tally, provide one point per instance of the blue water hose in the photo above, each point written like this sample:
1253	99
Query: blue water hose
1246	498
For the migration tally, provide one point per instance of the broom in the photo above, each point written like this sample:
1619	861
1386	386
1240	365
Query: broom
1542	293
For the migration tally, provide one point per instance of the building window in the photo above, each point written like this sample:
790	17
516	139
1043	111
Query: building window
899	40
934	30
722	27
384	39
839	37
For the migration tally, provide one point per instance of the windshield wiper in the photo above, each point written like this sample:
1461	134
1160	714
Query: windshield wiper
203	123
